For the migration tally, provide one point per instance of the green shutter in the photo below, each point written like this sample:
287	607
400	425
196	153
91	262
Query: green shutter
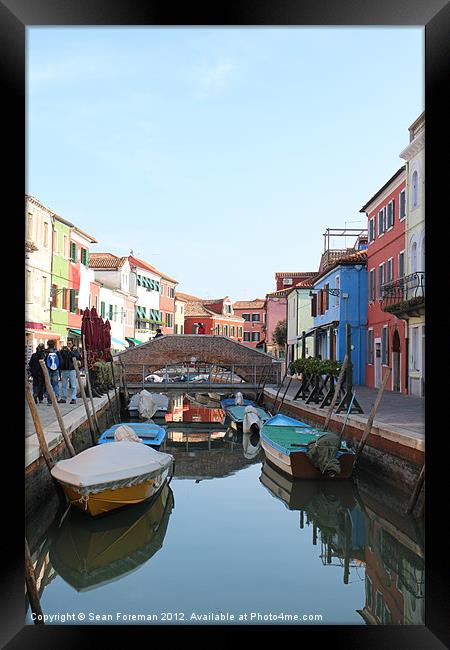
73	252
102	310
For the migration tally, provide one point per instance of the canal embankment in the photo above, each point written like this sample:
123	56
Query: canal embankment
395	447
42	496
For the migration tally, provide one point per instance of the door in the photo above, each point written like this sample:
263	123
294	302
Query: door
396	361
377	363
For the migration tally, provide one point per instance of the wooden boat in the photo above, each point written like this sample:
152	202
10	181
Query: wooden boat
161	404
151	434
286	443
90	552
234	414
106	477
231	401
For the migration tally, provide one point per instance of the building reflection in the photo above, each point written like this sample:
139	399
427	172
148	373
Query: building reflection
358	531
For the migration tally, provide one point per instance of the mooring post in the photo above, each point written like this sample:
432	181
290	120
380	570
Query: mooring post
38	426
52	395
83	395
336	392
33	595
88	382
372	415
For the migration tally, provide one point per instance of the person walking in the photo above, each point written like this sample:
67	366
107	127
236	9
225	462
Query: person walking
53	363
201	329
158	333
37	373
68	372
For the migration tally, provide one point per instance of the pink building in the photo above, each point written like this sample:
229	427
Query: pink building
254	315
276	311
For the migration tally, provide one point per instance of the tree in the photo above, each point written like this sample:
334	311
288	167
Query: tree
279	336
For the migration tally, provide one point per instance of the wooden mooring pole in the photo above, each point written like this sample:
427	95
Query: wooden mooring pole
33	595
88	382
83	395
52	395
336	392
38	426
372	415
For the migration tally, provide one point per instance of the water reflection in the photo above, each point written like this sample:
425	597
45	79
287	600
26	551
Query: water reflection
353	535
88	552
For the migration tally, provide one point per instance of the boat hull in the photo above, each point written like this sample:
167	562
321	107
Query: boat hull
298	465
107	500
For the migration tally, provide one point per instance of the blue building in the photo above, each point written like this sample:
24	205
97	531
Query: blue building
332	312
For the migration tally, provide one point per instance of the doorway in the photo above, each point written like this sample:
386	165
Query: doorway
396	361
377	363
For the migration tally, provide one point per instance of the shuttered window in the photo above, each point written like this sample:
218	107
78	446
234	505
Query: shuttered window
73	301
401	264
326	296
370	346
372	285
385	346
102	309
402	205
73	251
314	305
380	280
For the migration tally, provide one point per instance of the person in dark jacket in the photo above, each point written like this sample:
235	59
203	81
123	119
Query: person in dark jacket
37	373
68	373
158	333
53	363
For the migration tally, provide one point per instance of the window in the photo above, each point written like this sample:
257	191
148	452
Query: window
232	330
102	309
44	291
402	205
66	246
217	330
381	221
246	336
401	264
415	189
110	312
414	257
65	298
320	302
325	296
240	332
256	317
314	304
73	251
73	301
54	295
370	346
337	285
372	285
246	317
169	320
225	330
380	280
55	241
415	362
28	287
30	227
45	234
390	270
371	229
255	336
390	214
84	257
139	281
287	281
181	329
385	345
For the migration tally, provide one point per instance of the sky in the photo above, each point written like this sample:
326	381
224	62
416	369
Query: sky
219	155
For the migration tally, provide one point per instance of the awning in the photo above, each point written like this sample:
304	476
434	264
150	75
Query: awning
72	330
135	341
45	334
319	328
118	341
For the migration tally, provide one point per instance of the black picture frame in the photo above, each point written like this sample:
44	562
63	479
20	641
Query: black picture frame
15	16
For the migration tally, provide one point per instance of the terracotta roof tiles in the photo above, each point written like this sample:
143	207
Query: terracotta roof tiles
106	261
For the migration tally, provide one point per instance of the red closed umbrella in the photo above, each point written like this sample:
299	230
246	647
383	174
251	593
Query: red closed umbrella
107	341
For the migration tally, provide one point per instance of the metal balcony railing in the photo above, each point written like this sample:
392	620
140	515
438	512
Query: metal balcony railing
408	289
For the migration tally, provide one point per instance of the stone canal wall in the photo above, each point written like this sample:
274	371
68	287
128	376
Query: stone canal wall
391	454
43	495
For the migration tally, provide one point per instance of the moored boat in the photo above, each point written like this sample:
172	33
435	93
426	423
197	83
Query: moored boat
303	451
150	434
109	476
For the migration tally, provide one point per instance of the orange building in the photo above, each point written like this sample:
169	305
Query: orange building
217	317
254	314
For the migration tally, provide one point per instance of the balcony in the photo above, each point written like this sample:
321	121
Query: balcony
405	297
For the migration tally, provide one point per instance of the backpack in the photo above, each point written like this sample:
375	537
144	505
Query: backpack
52	361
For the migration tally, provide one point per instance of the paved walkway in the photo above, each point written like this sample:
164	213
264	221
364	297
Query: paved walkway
404	412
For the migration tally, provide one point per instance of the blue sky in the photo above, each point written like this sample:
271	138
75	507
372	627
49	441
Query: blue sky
219	155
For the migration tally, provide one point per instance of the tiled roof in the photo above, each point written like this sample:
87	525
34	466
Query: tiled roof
258	303
187	297
358	257
106	261
197	309
135	261
280	293
309	282
295	274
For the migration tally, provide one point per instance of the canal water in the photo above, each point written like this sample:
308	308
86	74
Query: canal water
232	540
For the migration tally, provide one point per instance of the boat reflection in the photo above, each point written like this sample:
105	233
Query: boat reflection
88	553
363	535
187	410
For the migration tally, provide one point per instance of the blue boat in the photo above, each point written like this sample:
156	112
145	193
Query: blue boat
234	414
231	401
151	434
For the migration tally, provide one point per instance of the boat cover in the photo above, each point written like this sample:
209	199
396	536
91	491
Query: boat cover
237	413
149	403
124	432
239	399
322	453
134	402
118	464
251	416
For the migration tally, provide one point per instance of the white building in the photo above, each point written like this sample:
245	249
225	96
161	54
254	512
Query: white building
148	291
414	154
180	304
38	273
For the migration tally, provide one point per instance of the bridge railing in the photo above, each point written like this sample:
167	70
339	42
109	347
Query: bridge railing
204	375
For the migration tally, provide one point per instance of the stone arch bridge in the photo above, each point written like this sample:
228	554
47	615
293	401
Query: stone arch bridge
217	360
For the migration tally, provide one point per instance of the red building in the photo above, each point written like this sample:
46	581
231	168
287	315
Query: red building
217	317
79	280
254	314
386	334
167	304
